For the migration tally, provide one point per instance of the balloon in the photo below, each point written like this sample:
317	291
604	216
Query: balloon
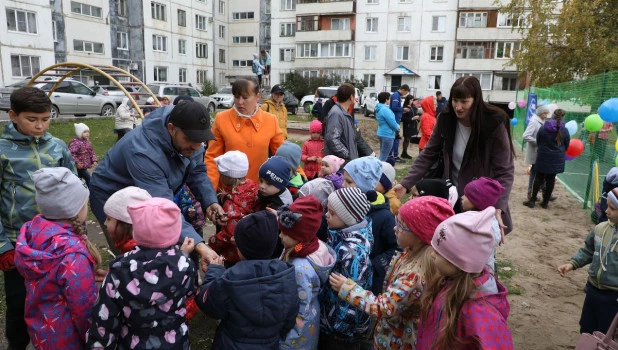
616	145
616	161
593	123
576	147
552	109
571	126
609	110
568	157
512	105
521	103
544	102
514	121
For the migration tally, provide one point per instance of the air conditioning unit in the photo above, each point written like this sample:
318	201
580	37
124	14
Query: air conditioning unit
210	19
133	66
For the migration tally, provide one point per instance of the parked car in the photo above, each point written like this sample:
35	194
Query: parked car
5	94
224	98
73	97
115	92
370	103
290	102
174	90
329	91
307	102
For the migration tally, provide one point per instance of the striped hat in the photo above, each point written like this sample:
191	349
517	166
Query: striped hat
350	204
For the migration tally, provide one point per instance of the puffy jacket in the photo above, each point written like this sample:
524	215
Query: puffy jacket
603	271
312	148
60	289
550	155
340	137
256	301
384	240
428	120
82	152
20	156
387	125
279	111
123	118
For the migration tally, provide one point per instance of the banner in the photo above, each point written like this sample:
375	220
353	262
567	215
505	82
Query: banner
531	109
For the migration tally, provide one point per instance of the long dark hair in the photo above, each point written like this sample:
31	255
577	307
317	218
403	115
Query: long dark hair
409	97
558	117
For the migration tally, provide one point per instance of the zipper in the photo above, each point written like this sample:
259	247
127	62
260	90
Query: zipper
36	151
13	190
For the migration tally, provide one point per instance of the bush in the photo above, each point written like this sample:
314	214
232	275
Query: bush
208	88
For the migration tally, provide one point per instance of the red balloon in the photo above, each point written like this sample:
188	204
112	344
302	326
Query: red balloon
576	147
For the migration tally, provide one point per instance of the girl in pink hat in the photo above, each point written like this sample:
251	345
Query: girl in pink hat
313	151
330	170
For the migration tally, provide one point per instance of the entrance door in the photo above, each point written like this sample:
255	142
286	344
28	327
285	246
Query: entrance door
395	82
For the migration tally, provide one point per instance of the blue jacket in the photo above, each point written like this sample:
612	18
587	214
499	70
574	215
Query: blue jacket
396	106
549	155
256	301
384	241
387	124
146	158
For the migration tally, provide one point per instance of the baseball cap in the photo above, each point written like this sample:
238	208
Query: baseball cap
193	119
277	89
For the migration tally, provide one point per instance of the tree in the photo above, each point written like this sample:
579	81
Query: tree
300	86
208	87
566	44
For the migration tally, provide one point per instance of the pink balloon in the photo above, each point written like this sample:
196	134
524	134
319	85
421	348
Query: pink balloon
521	103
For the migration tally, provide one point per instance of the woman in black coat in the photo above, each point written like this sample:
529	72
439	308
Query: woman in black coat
410	125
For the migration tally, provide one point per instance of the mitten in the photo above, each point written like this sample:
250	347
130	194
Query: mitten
192	307
7	260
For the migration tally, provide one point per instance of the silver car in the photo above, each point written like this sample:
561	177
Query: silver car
5	94
115	92
73	97
224	98
173	90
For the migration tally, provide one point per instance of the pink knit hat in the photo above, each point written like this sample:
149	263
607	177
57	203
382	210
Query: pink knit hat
466	240
156	223
483	192
315	126
333	162
423	214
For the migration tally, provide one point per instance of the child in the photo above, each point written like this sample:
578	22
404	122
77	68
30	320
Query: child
312	260
388	177
464	307
600	305
251	319
428	120
330	170
118	222
478	195
25	146
142	300
58	262
343	326
82	152
292	153
237	196
191	209
364	173
398	307
272	189
313	151
436	187
321	189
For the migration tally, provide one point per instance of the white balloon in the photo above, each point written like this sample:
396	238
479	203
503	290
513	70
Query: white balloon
512	105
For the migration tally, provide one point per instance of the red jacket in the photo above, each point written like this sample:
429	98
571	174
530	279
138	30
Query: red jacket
428	120
312	148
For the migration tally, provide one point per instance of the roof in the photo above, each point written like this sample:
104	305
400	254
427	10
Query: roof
401	70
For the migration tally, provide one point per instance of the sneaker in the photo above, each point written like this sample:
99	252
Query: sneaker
553	198
529	204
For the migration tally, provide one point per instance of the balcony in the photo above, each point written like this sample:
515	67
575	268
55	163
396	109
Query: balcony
491	34
477	4
325	35
483	64
323	7
312	63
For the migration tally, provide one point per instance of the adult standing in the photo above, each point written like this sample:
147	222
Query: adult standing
161	156
410	125
274	105
473	138
258	69
265	61
387	126
245	127
124	120
441	102
529	136
340	135
397	108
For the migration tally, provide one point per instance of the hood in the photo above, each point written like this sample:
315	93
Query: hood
359	234
10	133
493	292
270	283
612	176
272	103
322	261
379	107
428	106
44	244
552	126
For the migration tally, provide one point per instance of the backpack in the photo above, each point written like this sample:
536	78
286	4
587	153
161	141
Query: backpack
254	69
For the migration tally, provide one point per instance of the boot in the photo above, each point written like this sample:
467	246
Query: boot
406	156
529	203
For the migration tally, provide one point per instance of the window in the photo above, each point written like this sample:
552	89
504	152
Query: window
86	10
509	83
309	73
221	56
372	25
87	46
200	22
21	21
160	74
158	12
405	1
434	82
122	41
336	50
182	18
372	2
404	24
369	80
286	55
484	78
340	24
307	23
342	73
474	50
287	29
221	32
242	39
506	49
243	15
437	53
55	31
222	6
307	50
267	4
182	75
370	53
201	50
121	8
288	4
201	75
438	24
473	19
25	66
159	43
266	30
507	21
402	53
182	46
242	63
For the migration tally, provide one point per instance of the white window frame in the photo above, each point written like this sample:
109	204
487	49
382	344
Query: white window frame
438	24
485	78
88	46
25	70
29	21
473	20
506	21
221	6
182	18
158	11
436	53
242	63
434	82
182	75
157	70
182	46
340	24
370	52
86	10
404	24
402	53
286	54
370	80
201	75
247	39
200	22
508	80
371	25
201	50
372	2
287	29
509	48
337	49
159	43
122	40
221	31
306	50
236	16
121	8
288	5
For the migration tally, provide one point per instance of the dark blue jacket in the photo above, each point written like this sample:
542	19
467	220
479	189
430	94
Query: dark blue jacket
256	301
397	106
384	242
550	156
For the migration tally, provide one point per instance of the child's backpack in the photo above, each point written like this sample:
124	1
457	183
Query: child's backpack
254	68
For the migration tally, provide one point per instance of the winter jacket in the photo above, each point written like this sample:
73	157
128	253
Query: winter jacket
410	126
145	158
529	136
311	275
397	308
340	137
58	271
393	201
441	105
256	137
124	119
82	152
550	155
257	67
20	156
483	317
428	121
396	106
256	301
384	240
336	179
599	251
352	246
297	181
387	125
279	111
312	148
142	301
275	201
185	200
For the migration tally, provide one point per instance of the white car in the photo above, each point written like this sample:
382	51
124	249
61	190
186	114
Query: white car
369	104
224	98
307	102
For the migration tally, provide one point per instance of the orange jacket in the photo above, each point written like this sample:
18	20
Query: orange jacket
254	136
428	120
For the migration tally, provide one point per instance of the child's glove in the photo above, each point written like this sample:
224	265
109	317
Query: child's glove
7	260
192	307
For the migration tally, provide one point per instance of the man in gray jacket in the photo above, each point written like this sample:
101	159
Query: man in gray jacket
536	122
339	138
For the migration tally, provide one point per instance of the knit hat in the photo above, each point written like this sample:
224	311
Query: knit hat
116	205
319	187
156	223
234	164
334	162
613	196
256	235
315	126
388	176
301	220
80	128
59	193
433	187
350	204
543	109
612	176
365	171
276	170
466	240
291	152
423	214
483	192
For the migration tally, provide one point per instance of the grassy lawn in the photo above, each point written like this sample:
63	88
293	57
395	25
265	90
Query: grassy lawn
102	134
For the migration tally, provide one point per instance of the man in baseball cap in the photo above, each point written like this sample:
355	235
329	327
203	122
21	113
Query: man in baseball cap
193	119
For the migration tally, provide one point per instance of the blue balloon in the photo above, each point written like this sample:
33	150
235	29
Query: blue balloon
609	110
544	102
571	126
514	121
